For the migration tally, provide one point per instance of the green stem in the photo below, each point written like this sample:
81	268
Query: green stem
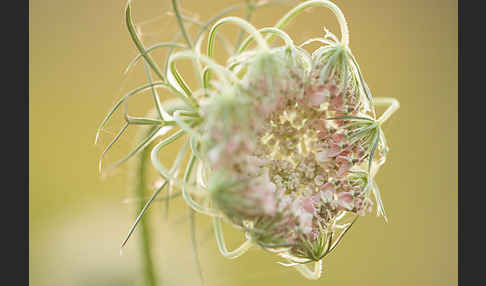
324	3
249	28
271	30
195	63
181	23
192	218
138	43
140	183
307	273
393	106
218	232
249	12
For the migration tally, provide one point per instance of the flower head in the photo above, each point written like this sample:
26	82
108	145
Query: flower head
287	141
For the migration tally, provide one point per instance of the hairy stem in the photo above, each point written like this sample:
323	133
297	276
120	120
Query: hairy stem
393	106
218	232
140	183
181	23
249	28
192	218
312	275
138	43
249	12
271	30
301	7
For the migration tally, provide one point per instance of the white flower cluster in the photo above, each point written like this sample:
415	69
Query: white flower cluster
286	142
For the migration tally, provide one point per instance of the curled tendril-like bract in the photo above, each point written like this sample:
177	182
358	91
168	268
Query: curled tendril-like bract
284	144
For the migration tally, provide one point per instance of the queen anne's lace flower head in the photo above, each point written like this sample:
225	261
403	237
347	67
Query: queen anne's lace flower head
285	144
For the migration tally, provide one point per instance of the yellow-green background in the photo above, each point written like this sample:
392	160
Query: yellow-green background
78	50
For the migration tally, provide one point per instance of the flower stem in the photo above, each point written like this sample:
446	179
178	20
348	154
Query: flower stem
140	183
393	106
312	275
181	23
250	9
218	232
303	6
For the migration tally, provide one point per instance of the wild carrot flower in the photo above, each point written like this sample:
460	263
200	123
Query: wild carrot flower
284	143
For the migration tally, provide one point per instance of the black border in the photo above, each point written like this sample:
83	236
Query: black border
15	135
471	146
459	229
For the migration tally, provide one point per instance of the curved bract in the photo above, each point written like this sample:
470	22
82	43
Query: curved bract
283	144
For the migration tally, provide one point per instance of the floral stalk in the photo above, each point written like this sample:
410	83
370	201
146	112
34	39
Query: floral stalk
140	183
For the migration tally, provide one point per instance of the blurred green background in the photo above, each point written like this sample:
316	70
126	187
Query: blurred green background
78	51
